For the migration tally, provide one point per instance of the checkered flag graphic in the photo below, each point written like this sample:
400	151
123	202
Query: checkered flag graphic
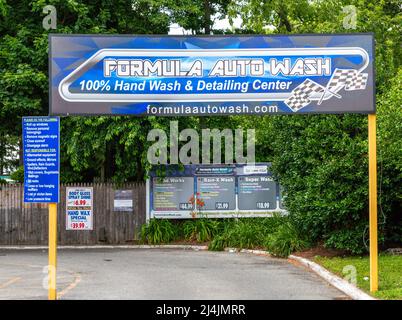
296	102
358	82
351	79
300	96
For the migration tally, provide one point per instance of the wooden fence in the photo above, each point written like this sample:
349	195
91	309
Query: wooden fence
27	223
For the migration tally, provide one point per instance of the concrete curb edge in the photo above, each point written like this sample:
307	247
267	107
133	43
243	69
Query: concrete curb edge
339	283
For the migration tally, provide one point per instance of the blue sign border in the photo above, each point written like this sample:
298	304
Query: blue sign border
127	109
58	159
192	171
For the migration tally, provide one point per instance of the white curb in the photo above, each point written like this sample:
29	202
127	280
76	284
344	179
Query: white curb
339	283
257	252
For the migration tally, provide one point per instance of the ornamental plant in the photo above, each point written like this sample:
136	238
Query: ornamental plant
197	203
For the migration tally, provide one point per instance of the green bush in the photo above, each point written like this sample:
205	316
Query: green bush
389	113
159	231
200	230
240	233
218	243
285	240
270	224
2	181
351	239
322	163
245	233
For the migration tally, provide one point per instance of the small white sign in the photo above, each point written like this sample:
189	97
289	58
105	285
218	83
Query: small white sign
123	205
79	208
255	169
123	200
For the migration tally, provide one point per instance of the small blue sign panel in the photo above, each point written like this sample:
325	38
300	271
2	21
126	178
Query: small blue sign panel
41	159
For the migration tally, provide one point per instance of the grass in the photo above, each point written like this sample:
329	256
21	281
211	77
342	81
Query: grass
390	273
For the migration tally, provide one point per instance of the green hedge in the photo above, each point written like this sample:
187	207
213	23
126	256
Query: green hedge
277	233
322	163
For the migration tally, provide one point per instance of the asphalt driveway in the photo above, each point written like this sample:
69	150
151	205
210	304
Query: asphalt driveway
158	274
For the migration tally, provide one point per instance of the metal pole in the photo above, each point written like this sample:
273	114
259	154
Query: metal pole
373	202
52	250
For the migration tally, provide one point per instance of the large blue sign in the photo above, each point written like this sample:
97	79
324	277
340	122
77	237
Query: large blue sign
222	191
41	159
168	76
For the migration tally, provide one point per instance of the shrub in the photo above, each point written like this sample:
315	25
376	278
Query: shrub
285	240
269	224
245	233
218	243
389	113
159	231
350	238
200	230
322	163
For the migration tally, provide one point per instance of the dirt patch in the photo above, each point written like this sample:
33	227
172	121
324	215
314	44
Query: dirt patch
320	251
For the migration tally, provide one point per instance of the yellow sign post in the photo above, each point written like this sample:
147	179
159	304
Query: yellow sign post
372	141
52	295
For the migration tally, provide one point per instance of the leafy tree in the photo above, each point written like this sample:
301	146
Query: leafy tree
383	17
23	61
195	15
321	160
8	149
97	147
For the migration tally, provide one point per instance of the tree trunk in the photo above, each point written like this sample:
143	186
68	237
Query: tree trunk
20	152
207	17
283	19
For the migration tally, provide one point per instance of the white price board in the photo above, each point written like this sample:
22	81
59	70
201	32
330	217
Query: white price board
79	208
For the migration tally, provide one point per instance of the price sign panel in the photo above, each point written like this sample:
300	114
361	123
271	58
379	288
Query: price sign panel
172	193
257	193
79	208
222	191
218	193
